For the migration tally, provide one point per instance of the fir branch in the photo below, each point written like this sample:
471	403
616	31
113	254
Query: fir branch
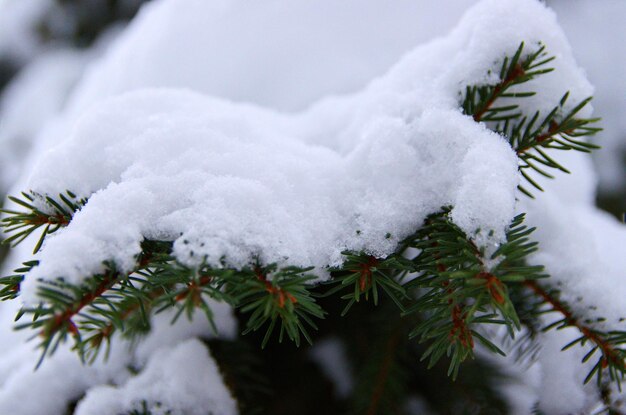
189	288
160	286
364	275
479	100
63	303
609	344
130	316
459	288
126	306
54	319
273	295
52	216
11	284
104	304
531	137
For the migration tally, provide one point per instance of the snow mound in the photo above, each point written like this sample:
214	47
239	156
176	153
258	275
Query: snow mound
175	381
17	377
231	182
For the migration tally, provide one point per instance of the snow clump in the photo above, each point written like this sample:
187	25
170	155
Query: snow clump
232	182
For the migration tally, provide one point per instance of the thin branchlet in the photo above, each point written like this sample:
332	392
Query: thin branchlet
532	136
457	290
363	276
609	344
38	211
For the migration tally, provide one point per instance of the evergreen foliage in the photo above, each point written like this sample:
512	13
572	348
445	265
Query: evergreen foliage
435	296
531	136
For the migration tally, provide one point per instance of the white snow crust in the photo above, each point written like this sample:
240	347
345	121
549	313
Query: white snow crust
182	380
63	377
231	182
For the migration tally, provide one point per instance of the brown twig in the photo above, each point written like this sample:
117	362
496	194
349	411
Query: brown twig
517	72
608	351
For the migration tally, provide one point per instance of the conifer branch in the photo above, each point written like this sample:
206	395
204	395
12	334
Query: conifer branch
101	324
52	215
531	137
11	284
54	318
93	312
107	301
459	288
532	140
479	100
139	296
64	306
273	295
609	344
364	275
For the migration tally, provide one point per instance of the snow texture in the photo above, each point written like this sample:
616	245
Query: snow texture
182	380
230	182
64	378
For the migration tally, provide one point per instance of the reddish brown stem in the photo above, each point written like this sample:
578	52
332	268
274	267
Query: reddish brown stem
517	72
365	272
40	220
609	353
65	317
494	286
552	131
108	280
459	330
280	295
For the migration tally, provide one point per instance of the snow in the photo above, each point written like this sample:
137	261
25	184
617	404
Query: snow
53	396
182	380
290	132
284	55
562	390
18	378
231	182
582	250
